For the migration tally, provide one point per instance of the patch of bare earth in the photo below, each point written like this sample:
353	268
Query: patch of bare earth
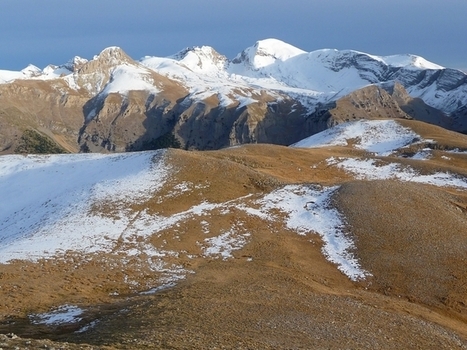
277	291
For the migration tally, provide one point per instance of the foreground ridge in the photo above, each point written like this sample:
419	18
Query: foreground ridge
253	246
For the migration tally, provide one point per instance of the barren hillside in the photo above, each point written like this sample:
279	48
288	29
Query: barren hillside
356	239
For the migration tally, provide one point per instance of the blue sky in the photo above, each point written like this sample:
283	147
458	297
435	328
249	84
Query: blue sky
53	31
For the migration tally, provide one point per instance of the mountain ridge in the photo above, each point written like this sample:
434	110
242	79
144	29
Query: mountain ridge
271	92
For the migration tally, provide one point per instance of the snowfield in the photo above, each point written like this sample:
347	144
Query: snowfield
381	137
49	196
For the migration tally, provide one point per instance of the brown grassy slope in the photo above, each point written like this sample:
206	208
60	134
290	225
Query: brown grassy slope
412	238
279	291
288	296
446	139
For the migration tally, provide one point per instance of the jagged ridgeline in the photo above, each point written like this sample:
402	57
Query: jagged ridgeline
271	92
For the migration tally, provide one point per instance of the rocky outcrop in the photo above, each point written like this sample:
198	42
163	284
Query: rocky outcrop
55	112
378	102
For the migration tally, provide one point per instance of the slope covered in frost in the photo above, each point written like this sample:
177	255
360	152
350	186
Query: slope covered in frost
51	197
64	213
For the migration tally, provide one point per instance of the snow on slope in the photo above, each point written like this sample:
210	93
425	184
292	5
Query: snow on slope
333	73
30	72
265	53
381	137
54	201
53	207
125	78
199	71
309	211
407	61
61	315
369	169
48	73
8	75
50	200
203	71
315	77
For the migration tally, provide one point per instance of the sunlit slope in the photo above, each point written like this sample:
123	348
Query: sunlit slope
267	245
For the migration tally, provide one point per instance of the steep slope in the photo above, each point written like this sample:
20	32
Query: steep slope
378	102
334	73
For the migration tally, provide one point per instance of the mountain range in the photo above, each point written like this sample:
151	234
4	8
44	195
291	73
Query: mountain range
271	92
278	200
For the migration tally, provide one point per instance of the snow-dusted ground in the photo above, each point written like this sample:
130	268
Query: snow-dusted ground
225	244
60	315
370	169
309	211
54	203
125	78
47	201
381	137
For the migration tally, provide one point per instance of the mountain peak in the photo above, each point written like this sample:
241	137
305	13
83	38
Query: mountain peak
267	52
199	50
277	48
95	74
74	64
31	71
113	55
201	59
409	60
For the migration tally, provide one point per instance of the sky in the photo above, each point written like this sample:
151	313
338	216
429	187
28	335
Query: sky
54	31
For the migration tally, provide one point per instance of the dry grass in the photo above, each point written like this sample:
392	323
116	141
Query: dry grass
278	291
413	240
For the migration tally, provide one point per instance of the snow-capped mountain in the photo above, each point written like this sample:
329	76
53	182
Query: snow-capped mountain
363	215
270	92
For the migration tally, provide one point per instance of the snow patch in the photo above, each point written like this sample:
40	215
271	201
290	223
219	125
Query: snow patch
225	244
381	137
370	169
308	211
125	78
64	314
423	154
